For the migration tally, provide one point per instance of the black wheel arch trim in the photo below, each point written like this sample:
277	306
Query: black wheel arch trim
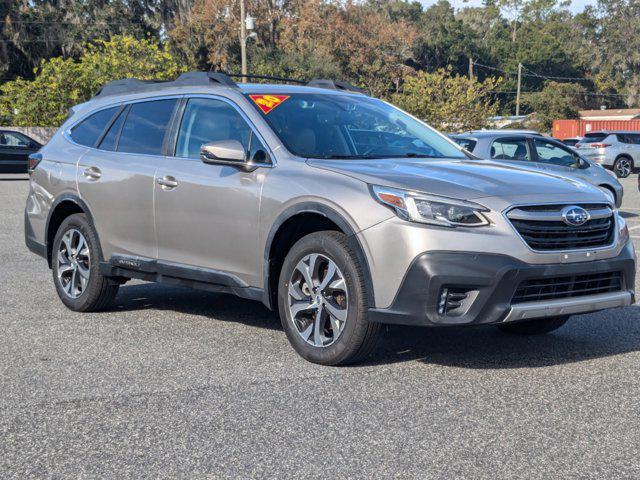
73	198
335	217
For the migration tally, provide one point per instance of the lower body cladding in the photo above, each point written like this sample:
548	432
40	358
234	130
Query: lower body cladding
457	288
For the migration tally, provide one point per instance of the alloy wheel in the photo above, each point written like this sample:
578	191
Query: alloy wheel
318	300
74	263
623	167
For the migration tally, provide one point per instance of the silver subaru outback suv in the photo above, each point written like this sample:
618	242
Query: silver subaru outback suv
337	209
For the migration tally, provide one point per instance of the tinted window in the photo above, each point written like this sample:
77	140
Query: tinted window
634	138
570	141
510	149
109	140
207	120
466	143
12	139
594	137
89	130
552	153
145	126
349	127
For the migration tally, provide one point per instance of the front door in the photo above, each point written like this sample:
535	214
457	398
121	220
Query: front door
207	215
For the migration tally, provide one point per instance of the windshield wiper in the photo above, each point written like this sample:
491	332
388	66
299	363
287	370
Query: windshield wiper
338	157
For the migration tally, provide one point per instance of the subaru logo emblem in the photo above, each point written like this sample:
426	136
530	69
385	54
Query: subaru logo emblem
575	216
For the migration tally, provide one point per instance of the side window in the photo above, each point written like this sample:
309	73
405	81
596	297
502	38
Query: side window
635	138
622	138
145	126
109	142
466	143
11	139
510	149
549	152
89	130
208	120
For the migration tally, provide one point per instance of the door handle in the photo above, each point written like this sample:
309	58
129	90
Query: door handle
167	182
92	173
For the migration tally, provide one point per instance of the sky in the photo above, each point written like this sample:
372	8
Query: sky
576	5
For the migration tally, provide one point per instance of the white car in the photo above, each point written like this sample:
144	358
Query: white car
616	150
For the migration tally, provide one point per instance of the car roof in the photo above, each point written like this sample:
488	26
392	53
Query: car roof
218	80
496	133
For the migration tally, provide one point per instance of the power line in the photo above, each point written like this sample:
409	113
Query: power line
532	74
551	77
588	94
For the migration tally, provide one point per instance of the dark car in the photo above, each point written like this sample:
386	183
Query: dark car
15	148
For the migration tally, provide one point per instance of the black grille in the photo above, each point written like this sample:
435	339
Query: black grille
566	287
555	234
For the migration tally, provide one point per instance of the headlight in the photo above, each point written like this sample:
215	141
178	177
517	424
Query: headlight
623	230
418	207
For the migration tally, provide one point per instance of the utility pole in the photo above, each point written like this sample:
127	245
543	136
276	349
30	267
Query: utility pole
470	70
518	91
243	40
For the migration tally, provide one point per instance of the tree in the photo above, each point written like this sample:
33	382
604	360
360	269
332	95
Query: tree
555	101
447	101
61	83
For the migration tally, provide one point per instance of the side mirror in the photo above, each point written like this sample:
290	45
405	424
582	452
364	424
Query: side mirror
223	152
228	152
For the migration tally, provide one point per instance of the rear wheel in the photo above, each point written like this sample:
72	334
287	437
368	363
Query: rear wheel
622	167
322	301
75	265
538	326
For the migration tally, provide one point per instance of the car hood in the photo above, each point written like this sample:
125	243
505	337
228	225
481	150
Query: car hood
462	179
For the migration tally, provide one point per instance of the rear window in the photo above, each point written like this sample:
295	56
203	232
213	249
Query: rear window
466	143
144	129
594	137
89	130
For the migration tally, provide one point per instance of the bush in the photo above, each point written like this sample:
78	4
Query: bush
61	83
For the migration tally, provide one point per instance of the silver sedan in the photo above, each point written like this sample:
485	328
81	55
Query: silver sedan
536	151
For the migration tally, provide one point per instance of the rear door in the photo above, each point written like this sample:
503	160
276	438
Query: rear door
207	215
116	177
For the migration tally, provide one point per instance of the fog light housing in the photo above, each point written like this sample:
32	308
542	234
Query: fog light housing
455	300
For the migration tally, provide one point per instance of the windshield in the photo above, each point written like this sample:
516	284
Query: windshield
349	127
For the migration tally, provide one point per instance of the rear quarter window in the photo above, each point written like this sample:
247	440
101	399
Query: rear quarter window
89	130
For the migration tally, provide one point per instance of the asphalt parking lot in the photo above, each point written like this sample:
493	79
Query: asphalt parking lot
179	383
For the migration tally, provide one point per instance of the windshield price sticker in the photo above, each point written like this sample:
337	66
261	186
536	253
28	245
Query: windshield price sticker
268	102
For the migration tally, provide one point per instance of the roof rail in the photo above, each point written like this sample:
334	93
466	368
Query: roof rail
267	77
334	85
133	85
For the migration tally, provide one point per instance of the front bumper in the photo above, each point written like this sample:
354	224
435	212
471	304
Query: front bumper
493	279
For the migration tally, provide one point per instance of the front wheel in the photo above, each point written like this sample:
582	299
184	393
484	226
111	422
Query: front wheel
622	167
538	326
322	301
75	265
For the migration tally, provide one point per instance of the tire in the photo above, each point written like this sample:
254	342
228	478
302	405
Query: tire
88	291
330	341
538	326
622	167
